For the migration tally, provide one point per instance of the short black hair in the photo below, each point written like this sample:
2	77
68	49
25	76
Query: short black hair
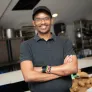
43	9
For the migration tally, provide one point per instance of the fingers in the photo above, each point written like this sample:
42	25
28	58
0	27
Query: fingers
68	59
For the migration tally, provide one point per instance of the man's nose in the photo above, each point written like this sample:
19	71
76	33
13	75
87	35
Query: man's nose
42	21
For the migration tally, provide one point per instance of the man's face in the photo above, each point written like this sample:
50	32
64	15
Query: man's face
42	23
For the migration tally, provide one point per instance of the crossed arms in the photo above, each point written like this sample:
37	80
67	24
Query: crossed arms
34	74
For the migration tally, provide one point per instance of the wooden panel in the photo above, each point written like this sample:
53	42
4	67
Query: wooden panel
3	52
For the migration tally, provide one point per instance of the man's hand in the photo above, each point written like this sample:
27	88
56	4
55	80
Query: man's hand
68	59
70	66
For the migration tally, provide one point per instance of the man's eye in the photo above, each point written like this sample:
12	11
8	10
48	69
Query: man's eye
46	18
38	19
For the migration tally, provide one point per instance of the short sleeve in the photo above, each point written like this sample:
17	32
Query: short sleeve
68	48
25	52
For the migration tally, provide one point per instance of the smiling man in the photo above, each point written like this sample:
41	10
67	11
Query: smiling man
47	61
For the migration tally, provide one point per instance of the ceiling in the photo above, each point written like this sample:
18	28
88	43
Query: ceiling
68	10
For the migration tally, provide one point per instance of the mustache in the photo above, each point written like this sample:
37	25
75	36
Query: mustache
43	25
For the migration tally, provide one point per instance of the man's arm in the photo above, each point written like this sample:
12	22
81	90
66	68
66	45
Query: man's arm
70	66
31	74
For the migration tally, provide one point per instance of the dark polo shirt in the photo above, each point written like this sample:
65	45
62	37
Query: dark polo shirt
51	52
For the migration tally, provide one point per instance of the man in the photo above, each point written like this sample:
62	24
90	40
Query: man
47	61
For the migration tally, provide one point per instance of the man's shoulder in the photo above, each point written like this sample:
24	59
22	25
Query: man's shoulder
29	41
62	38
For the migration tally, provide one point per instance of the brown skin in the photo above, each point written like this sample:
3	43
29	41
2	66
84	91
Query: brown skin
35	74
43	26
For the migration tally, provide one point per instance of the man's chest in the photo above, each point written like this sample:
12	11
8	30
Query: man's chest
48	54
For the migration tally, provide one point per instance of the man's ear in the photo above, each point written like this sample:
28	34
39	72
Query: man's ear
52	21
33	23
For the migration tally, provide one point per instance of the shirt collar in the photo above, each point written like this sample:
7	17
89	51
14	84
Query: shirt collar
37	38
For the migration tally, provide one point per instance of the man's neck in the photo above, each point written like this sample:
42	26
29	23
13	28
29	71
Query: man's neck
45	36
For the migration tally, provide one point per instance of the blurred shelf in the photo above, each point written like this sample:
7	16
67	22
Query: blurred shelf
83	34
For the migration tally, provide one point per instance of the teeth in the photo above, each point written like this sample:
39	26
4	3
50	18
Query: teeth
43	27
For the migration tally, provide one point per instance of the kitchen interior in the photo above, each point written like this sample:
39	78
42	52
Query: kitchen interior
74	20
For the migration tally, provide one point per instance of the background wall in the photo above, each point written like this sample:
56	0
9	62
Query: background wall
89	17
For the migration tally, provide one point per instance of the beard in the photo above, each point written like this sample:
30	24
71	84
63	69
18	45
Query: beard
46	32
43	29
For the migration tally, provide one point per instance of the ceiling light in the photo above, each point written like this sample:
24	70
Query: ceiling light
55	15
